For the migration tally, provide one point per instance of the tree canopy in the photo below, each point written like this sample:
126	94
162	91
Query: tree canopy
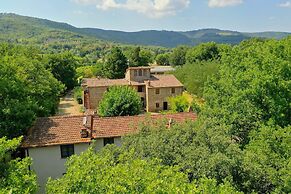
115	64
27	89
178	56
119	101
63	67
15	177
113	171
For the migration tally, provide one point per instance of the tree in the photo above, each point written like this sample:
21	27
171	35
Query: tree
119	101
114	171
163	59
27	89
200	149
15	177
178	56
203	52
115	65
267	161
137	57
179	103
63	67
146	57
194	76
252	87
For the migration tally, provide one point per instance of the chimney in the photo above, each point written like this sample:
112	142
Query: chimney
170	122
87	130
148	83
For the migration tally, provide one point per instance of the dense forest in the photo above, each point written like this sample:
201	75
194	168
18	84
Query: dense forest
241	142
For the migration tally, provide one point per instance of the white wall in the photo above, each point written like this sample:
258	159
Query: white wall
47	161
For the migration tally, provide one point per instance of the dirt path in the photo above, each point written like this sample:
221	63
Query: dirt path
69	106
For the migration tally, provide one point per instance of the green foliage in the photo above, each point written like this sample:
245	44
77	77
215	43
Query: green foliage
252	87
115	65
119	101
147	57
15	177
179	103
199	149
178	56
267	161
137	57
24	92
203	52
63	67
163	59
78	93
89	71
193	76
114	171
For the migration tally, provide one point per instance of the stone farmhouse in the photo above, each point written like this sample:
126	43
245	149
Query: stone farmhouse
153	89
53	139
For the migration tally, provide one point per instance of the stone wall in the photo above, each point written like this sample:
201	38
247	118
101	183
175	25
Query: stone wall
152	98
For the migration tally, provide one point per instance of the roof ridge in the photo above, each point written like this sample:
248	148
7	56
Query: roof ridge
62	116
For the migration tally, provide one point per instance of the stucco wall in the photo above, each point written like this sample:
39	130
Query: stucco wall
47	161
153	98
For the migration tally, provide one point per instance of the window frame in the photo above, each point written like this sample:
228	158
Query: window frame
140	89
108	140
157	90
140	72
157	105
67	150
135	72
173	90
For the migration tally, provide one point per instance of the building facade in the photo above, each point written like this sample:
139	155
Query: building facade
153	89
53	139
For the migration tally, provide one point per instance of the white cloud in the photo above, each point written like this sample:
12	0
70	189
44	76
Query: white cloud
223	3
151	8
287	4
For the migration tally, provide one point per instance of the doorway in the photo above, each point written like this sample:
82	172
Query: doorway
165	106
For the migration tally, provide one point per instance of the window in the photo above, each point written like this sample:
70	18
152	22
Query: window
135	72
173	90
140	88
140	72
157	105
108	141
67	150
157	91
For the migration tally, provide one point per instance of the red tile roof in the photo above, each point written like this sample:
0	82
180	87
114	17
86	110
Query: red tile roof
97	82
155	81
159	81
60	130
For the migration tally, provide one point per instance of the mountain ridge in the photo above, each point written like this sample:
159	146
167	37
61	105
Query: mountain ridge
35	26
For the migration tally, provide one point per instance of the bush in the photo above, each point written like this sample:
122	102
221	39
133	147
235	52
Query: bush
120	101
179	103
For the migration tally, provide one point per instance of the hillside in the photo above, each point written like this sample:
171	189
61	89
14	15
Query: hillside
23	29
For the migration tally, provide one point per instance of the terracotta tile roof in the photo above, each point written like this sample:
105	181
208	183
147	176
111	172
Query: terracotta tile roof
66	129
95	82
155	81
164	81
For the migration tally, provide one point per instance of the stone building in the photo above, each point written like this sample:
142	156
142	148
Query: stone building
153	90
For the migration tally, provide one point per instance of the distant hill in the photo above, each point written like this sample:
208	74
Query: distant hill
18	28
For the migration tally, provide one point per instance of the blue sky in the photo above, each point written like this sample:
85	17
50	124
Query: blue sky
179	15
